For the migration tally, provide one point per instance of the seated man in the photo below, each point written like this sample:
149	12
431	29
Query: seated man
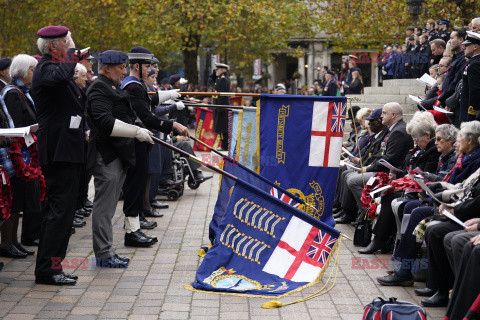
393	149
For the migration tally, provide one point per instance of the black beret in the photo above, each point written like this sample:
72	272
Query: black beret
53	32
154	60
173	79
112	57
164	81
152	71
5	63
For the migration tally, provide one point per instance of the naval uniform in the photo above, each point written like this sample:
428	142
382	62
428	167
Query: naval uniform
61	154
136	179
470	98
220	117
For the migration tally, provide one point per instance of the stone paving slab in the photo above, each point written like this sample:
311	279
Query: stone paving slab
152	286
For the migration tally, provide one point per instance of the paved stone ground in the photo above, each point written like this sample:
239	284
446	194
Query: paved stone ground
152	286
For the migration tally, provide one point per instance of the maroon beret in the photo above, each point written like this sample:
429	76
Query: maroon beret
53	32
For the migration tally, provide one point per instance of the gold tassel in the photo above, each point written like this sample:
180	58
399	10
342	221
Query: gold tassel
272	304
201	253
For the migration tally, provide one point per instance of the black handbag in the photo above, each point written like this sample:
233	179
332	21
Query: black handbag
363	233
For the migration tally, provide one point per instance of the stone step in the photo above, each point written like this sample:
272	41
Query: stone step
379	98
400	83
413	90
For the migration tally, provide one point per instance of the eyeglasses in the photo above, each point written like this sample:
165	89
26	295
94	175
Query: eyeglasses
438	139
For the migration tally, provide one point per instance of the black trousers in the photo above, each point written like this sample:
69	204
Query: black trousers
136	181
467	283
62	181
386	226
439	273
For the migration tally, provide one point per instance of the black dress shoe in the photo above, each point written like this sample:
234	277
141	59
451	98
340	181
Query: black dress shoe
125	259
111	263
159	205
338	214
439	299
21	248
336	210
79	216
56	280
88	204
82	212
145	224
345	219
77	223
197	175
72	231
374	246
70	275
152	213
424	292
31	242
393	279
136	239
12	252
153	238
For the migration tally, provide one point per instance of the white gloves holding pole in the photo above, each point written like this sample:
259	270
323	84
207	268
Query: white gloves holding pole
168	94
125	130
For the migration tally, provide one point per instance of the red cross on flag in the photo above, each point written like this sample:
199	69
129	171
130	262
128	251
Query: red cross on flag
328	122
301	252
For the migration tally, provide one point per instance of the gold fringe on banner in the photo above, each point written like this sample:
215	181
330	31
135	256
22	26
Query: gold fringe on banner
277	304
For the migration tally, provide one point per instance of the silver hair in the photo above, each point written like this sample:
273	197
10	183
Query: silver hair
417	128
471	131
43	44
448	131
80	68
476	20
425	117
363	112
20	65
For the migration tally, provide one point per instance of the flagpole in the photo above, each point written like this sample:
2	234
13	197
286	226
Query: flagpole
198	160
222	94
216	106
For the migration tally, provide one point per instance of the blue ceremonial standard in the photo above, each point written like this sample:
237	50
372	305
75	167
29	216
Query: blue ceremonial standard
300	144
265	247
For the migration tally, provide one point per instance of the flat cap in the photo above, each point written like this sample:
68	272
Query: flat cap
112	57
53	32
222	65
5	63
376	114
174	78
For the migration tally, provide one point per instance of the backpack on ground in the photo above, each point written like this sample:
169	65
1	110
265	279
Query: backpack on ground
391	309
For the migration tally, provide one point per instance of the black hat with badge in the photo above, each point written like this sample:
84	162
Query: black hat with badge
472	38
5	63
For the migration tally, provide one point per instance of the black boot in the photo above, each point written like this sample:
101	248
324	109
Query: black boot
374	246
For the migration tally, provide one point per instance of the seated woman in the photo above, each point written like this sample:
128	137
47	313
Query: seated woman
406	250
425	157
467	163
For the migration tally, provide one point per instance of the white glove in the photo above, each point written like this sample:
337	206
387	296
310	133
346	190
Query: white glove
125	130
180	105
168	94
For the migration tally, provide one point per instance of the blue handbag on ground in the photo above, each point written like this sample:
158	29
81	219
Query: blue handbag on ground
391	309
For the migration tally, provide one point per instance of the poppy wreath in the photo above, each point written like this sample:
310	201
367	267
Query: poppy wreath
5	196
23	171
381	179
406	184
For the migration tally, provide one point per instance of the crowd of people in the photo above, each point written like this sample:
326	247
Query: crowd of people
83	126
422	49
105	126
437	148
